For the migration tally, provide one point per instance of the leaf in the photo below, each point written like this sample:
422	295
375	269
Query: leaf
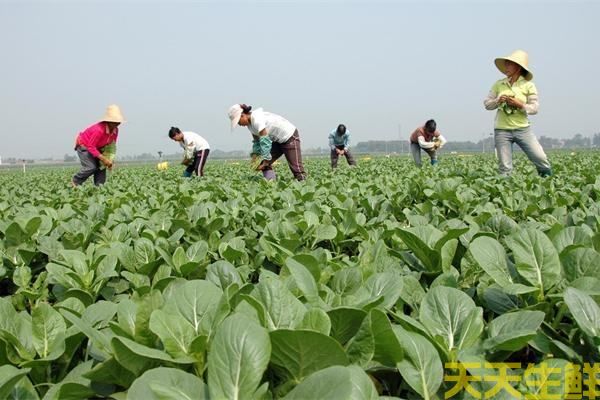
316	320
111	372
84	327
375	340
498	301
222	273
9	377
546	380
585	311
168	383
337	382
174	331
238	357
421	240
325	232
300	352
512	331
421	366
580	263
48	332
572	237
536	258
138	358
451	315
303	278
283	310
385	284
346	281
23	390
74	386
412	292
345	322
14	235
196	301
491	257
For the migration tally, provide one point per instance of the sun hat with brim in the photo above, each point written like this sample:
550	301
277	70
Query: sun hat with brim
235	113
113	114
519	57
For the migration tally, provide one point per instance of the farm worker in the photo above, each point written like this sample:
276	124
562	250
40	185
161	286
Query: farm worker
195	149
272	136
339	143
515	97
96	147
428	138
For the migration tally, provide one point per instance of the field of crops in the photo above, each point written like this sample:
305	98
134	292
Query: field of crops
365	283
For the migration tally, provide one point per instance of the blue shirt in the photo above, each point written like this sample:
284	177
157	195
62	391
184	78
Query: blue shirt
339	140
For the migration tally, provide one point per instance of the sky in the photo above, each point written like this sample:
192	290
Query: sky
380	67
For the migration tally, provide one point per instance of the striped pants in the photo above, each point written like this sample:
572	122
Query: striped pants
197	166
293	155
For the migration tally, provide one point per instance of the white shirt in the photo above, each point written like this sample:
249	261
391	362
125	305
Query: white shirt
279	129
192	142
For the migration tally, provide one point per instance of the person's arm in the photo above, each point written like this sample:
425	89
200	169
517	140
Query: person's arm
110	153
532	105
331	142
347	141
425	144
491	101
442	141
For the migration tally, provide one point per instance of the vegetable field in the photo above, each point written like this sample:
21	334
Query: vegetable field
367	283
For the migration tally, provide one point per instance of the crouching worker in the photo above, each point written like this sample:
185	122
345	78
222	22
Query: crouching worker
272	137
339	143
96	147
195	148
429	139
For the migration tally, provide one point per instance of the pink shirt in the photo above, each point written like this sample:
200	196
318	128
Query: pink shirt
414	138
95	137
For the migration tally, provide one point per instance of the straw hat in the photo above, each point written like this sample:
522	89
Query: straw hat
518	56
113	114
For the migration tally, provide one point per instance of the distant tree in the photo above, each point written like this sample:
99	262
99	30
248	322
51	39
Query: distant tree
69	158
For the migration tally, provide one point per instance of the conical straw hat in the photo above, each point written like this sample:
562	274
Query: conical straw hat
518	56
113	114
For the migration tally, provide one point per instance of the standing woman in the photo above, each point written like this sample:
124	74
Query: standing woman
272	136
96	147
516	98
195	148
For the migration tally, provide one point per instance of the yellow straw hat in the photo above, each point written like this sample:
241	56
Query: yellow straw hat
113	114
518	56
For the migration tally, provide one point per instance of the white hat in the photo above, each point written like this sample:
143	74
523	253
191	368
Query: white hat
235	112
113	114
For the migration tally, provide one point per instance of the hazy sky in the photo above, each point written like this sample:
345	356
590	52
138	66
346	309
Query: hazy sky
380	67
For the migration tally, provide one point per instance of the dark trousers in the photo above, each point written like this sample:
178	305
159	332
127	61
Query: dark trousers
335	156
293	155
197	166
90	165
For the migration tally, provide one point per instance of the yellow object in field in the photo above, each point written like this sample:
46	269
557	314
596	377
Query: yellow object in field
162	166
